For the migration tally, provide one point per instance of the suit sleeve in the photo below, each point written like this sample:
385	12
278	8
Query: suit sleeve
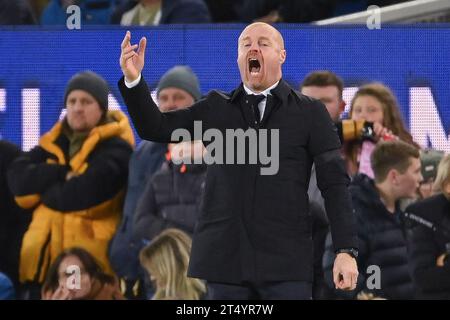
363	248
328	264
332	178
150	123
106	175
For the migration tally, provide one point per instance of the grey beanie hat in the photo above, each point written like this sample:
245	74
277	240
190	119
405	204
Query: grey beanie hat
92	83
181	77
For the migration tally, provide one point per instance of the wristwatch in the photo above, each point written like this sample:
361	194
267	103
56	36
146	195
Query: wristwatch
351	251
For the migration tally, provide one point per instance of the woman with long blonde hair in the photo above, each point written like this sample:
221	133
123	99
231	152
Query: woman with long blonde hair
166	259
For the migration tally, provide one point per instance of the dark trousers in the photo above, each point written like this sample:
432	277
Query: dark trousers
285	290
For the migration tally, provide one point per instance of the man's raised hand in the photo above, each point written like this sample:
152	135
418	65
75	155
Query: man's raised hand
132	62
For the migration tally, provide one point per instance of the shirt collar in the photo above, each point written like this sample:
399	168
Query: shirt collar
265	92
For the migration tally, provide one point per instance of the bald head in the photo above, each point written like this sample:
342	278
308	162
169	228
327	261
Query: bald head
260	56
277	35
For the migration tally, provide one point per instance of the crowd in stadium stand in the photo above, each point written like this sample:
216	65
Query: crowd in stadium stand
110	209
157	12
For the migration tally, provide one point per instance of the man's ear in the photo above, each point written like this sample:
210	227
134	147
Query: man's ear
282	56
342	105
393	176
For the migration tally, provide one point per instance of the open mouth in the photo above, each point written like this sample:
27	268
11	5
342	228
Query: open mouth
254	66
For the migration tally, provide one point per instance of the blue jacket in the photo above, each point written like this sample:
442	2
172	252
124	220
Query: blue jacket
124	253
6	288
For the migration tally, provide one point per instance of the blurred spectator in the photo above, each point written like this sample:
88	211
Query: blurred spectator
14	220
381	238
327	87
38	6
178	88
94	12
16	12
224	10
430	161
287	11
6	288
430	244
377	104
123	251
367	296
344	7
74	180
93	283
383	3
172	198
166	260
320	229
156	12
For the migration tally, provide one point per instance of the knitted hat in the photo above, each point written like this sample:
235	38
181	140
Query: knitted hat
92	83
181	77
430	159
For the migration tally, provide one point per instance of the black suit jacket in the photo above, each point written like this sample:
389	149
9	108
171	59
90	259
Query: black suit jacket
255	227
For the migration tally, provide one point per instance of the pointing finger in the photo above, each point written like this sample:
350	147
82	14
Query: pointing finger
127	56
126	40
129	48
142	45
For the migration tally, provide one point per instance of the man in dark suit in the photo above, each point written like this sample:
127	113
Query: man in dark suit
253	236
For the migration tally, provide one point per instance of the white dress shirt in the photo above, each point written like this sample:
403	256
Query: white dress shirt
262	104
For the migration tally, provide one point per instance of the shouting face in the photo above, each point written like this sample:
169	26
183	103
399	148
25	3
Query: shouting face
260	56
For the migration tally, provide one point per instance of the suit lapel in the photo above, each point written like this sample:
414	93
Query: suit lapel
268	110
247	112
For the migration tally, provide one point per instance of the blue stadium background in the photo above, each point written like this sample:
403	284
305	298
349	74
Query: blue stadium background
399	56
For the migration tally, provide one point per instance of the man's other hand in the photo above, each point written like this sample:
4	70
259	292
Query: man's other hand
345	272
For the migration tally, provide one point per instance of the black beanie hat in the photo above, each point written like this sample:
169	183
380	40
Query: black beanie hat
92	83
181	77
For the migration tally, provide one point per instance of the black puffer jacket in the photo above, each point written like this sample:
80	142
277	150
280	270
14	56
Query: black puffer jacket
14	220
432	282
382	242
171	199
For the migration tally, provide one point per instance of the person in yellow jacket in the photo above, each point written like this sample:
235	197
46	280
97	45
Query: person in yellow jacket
74	179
